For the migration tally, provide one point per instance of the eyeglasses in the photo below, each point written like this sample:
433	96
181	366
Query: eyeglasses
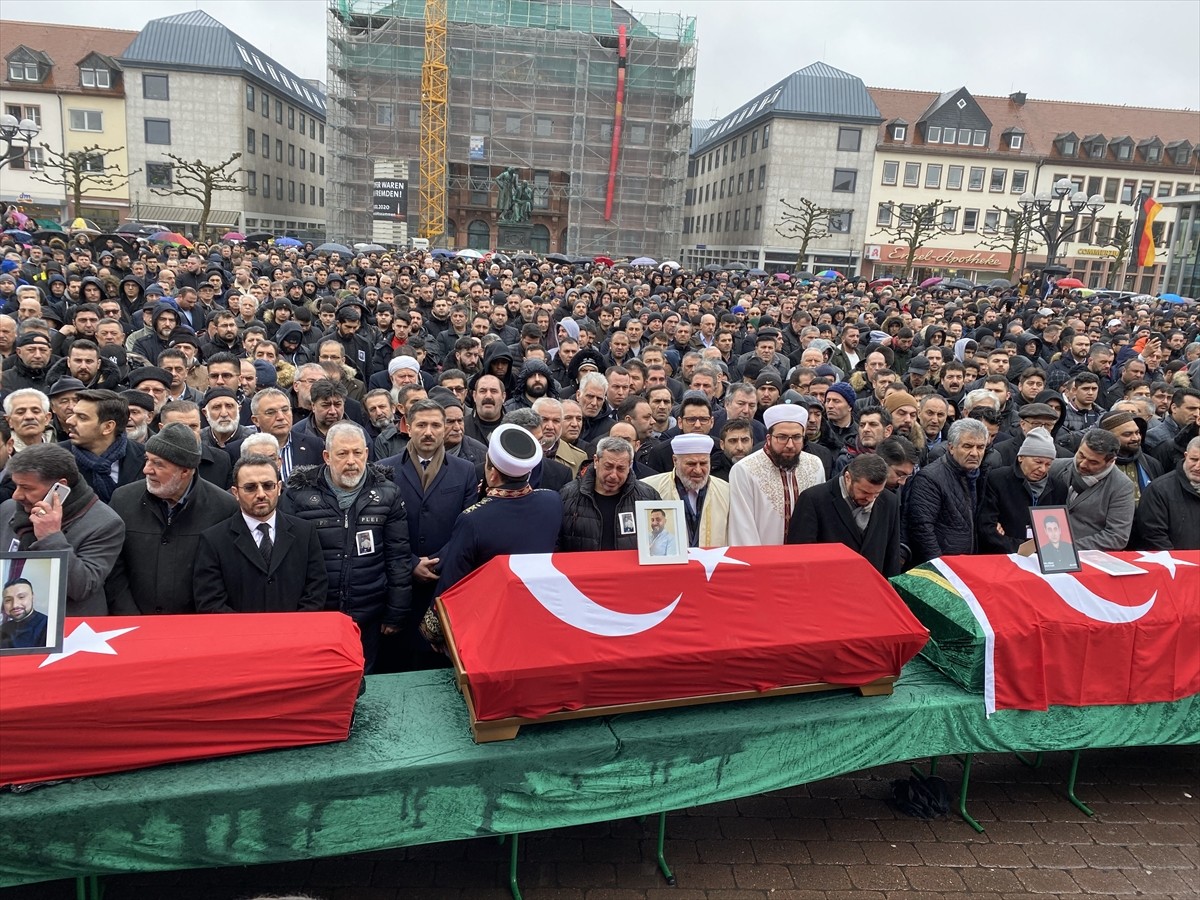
787	438
696	420
265	486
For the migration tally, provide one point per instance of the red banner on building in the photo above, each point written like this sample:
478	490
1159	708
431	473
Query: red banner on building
1084	639
541	633
126	693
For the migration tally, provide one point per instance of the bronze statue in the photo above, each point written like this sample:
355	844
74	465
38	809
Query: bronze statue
516	197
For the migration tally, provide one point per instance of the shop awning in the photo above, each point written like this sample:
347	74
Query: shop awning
178	215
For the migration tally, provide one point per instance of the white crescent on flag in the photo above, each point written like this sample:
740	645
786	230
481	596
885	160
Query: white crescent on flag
563	600
1079	598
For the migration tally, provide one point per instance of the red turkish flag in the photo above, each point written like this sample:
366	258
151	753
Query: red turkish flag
139	691
1087	638
541	633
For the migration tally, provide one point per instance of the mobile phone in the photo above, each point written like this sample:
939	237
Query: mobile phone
59	489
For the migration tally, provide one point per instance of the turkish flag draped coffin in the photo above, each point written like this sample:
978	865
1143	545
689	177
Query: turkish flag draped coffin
541	633
1081	639
131	692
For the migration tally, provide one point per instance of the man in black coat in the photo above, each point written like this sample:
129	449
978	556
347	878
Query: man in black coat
1010	491
1168	516
260	560
854	509
943	497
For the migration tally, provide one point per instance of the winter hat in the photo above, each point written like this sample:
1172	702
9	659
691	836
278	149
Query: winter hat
150	373
176	443
844	390
897	399
919	364
265	375
139	399
1038	443
1112	420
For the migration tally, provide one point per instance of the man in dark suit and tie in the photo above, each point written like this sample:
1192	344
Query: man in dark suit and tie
853	509
259	560
436	487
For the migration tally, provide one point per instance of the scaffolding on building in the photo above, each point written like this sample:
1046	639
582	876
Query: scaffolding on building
532	85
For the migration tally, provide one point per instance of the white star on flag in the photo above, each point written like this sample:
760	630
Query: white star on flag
1162	558
84	640
711	558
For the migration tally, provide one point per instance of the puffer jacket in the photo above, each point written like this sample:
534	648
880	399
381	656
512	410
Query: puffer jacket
582	525
108	378
939	514
364	585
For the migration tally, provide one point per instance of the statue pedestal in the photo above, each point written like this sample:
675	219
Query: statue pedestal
513	238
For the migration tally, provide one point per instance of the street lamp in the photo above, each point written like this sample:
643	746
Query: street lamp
10	128
1058	217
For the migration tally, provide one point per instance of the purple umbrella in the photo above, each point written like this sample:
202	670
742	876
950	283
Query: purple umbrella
930	282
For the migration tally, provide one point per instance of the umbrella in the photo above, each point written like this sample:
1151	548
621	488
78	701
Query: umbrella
49	225
1171	298
559	259
335	248
82	224
758	273
233	236
22	237
603	261
442	253
1056	270
1068	283
127	243
736	267
583	261
829	273
880	282
1085	292
783	276
170	237
46	235
961	283
805	275
364	248
130	228
999	283
643	261
670	264
258	236
288	242
713	267
930	282
469	253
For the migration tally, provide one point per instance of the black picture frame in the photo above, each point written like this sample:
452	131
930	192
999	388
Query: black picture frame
1054	558
46	572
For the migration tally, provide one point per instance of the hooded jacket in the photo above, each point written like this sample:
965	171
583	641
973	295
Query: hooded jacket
150	345
290	338
108	377
498	350
531	367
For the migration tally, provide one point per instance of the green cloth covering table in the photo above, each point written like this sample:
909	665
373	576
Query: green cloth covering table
410	774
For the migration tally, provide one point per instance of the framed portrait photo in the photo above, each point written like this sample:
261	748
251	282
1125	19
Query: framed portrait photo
661	532
1054	541
33	601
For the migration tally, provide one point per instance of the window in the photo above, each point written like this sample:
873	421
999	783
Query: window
292	118
1068	148
251	183
512	124
93	162
750	179
266	146
762	177
266	180
883	215
637	136
159	175
414	121
964	137
757	214
754	141
954	176
1153	154
949	218
912	174
303	159
1015	141
1020	178
383	114
279	111
722	185
279	188
33	158
720	216
1181	189
312	128
302	194
291	192
845	180
86	120
933	134
839	221
265	99
480	183
321	130
733	150
970	220
541	190
158	131
481	122
991	221
544	127
766	135
251	141
1111	187
933	175
849	139
1096	150
739	183
999	179
278	150
1181	156
321	195
95	77
19	112
737	221
1124	151
725	155
1094	185
744	139
301	128
606	131
975	181
1127	190
249	98
979	138
906	213
891	171
291	154
1164	189
949	135
312	161
479	235
899	133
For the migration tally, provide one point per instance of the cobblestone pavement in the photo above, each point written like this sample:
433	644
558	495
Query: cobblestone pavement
834	840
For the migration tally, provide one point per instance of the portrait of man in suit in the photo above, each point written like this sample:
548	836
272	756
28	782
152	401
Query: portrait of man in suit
1056	551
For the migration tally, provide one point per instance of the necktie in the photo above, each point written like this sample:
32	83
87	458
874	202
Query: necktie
425	464
265	546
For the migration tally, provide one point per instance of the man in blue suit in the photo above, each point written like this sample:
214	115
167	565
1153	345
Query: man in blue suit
436	487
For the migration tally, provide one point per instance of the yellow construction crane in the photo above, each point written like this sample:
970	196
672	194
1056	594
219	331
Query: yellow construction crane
435	95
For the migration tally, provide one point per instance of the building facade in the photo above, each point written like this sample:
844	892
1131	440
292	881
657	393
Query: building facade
809	137
1183	259
197	91
979	155
532	87
68	80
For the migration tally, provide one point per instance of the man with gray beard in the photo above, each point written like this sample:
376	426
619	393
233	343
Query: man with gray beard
141	415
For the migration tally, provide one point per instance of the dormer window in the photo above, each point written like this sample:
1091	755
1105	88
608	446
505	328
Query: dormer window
18	71
1067	144
1153	154
1181	156
899	133
1013	138
95	77
1178	152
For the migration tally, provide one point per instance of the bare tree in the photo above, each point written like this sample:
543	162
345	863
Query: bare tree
1015	236
198	181
1120	238
806	222
82	171
913	227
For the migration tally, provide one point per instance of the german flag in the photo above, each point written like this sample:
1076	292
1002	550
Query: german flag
1143	238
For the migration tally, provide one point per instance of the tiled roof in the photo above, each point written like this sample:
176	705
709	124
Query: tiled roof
196	40
65	46
1044	121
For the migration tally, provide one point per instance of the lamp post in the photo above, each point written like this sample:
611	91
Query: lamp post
10	129
1059	216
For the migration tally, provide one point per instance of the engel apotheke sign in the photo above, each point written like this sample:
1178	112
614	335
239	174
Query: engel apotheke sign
893	254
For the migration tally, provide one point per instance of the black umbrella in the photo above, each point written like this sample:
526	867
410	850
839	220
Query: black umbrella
582	261
125	241
560	259
1056	270
961	283
804	276
259	236
736	267
130	228
48	234
713	267
999	283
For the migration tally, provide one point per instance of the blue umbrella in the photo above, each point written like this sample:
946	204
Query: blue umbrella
288	242
19	235
442	253
1171	298
829	273
644	261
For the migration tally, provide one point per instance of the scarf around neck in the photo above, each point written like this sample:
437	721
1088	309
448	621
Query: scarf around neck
97	469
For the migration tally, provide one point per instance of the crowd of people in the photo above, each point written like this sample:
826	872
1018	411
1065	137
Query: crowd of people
245	428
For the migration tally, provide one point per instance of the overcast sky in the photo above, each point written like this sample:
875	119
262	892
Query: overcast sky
1088	51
